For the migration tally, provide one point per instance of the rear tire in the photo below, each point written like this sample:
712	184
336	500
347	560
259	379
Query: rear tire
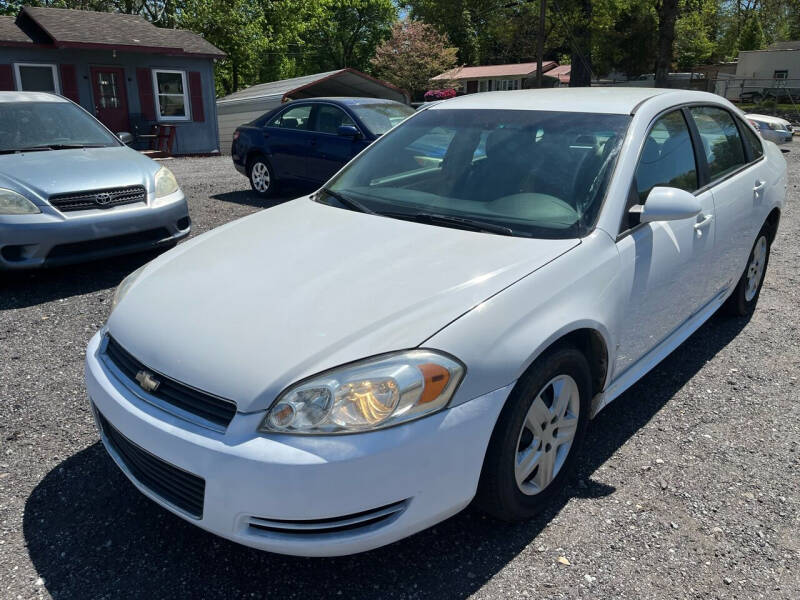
262	178
742	302
537	436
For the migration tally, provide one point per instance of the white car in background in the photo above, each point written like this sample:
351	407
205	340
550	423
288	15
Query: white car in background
346	369
773	129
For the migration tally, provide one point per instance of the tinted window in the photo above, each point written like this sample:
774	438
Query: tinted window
752	140
539	173
667	157
721	142
330	117
32	124
298	117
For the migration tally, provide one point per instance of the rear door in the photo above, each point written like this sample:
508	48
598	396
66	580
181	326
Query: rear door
331	151
288	139
665	262
737	180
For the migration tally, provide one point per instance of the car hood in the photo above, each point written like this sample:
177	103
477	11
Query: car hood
39	175
255	305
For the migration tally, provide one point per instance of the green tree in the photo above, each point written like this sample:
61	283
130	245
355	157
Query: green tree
413	54
752	35
692	46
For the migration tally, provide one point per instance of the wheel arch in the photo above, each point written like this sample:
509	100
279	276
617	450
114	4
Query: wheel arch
772	221
254	153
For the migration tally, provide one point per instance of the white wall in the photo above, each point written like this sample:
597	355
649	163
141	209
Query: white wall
762	64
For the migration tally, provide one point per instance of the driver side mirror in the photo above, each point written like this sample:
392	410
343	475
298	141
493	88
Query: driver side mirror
350	131
125	137
667	204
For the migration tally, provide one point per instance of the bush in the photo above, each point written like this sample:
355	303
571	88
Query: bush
432	95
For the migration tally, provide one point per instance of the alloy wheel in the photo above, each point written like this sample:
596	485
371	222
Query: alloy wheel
259	175
547	434
755	270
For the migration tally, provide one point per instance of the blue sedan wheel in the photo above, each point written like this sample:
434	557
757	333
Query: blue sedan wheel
261	179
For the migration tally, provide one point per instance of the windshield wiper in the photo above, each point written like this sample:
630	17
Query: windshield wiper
453	221
47	147
348	202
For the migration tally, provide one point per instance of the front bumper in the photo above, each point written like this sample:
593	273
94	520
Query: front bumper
51	238
426	470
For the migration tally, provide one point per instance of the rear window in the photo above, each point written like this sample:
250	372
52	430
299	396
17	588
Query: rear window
381	117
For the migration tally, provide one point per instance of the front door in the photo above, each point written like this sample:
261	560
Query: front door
667	262
331	151
110	99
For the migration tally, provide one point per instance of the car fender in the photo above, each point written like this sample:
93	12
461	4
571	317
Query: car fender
574	291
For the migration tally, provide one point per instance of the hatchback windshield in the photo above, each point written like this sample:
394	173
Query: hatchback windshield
518	172
380	117
49	125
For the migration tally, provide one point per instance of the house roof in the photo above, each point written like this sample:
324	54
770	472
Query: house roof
561	72
795	45
342	82
67	28
512	70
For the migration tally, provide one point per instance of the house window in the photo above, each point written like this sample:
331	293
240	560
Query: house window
32	77
483	85
782	74
172	95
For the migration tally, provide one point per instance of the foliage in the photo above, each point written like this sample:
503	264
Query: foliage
692	46
413	54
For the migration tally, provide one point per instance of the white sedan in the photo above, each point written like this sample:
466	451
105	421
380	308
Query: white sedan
773	129
440	322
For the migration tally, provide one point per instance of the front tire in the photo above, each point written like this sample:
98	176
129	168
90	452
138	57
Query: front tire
742	302
262	179
537	436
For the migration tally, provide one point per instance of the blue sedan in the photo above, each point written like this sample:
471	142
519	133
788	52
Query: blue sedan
307	141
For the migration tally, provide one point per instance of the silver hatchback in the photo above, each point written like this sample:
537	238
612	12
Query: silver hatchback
71	191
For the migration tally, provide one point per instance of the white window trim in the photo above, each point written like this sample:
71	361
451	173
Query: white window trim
186	103
18	79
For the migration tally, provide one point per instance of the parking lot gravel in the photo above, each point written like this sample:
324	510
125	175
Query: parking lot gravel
689	484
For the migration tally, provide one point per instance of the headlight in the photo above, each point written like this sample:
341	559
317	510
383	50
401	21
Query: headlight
366	395
12	203
124	286
166	183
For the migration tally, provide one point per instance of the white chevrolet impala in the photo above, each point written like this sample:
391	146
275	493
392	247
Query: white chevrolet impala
440	322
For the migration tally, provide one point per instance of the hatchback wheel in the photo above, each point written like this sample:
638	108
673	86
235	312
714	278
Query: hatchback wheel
537	436
261	177
744	298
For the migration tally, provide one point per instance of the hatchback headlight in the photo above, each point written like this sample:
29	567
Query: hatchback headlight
366	395
166	183
12	203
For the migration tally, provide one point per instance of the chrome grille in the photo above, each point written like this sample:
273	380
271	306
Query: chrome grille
107	198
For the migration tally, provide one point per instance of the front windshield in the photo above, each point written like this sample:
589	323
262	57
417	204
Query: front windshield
536	173
45	125
380	117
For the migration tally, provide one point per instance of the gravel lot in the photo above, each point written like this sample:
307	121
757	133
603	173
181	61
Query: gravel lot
688	487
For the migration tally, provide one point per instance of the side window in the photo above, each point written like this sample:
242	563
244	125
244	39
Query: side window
298	117
667	158
329	118
753	141
721	142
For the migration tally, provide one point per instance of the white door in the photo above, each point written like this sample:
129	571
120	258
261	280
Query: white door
737	178
665	263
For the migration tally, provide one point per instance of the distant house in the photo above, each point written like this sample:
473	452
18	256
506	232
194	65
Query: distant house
561	72
781	60
124	70
495	77
248	104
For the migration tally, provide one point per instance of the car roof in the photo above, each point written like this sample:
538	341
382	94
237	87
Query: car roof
30	97
607	100
767	118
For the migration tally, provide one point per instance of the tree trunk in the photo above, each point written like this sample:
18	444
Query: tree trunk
667	15
581	60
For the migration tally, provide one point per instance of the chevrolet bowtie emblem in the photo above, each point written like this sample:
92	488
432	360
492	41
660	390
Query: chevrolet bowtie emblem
147	381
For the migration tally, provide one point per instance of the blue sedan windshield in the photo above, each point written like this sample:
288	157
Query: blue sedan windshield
522	172
25	125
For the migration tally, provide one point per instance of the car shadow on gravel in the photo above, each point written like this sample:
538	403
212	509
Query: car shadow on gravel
20	289
250	198
91	534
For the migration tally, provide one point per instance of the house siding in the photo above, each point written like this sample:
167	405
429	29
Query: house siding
191	137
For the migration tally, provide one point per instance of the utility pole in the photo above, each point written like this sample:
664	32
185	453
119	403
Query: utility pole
540	43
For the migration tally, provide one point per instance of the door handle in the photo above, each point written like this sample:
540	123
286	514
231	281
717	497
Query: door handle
700	225
760	185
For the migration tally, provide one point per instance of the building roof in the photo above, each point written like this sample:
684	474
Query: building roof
795	45
561	72
67	28
342	82
512	70
602	100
